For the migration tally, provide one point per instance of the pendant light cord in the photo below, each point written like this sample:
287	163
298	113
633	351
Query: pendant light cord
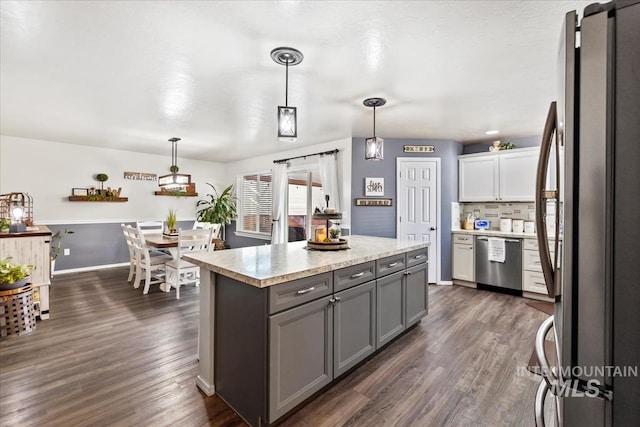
374	121
286	86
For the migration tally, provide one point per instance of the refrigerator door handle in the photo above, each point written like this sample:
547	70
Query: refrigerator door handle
541	197
541	394
546	371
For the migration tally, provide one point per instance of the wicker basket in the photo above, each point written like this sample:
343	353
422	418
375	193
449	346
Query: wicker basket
17	314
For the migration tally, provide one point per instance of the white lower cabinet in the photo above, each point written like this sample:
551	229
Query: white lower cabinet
463	258
533	284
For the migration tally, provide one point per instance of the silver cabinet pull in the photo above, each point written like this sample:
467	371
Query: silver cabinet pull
418	257
407	273
393	264
355	276
305	291
332	300
337	299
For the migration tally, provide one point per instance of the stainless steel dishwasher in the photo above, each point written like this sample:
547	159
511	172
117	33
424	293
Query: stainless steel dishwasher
507	274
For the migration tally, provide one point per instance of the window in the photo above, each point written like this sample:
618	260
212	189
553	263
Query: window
303	195
254	192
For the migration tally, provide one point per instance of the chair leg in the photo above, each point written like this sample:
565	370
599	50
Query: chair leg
178	287
136	283
131	271
147	281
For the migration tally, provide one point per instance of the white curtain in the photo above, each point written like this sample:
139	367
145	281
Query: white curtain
278	195
328	165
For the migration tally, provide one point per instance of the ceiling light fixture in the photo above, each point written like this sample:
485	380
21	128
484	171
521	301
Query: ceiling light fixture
174	180
492	132
287	116
373	145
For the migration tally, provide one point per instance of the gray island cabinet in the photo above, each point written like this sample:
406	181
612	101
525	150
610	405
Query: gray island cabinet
279	323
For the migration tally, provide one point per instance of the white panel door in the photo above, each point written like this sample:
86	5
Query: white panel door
417	205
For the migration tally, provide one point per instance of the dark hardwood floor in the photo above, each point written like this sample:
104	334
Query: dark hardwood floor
112	356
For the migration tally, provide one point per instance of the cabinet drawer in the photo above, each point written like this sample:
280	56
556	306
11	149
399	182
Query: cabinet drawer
531	260
466	239
534	282
390	264
532	244
296	292
347	277
416	257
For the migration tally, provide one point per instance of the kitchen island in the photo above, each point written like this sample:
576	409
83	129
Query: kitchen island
285	321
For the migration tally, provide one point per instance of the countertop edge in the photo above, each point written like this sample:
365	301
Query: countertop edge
43	231
281	278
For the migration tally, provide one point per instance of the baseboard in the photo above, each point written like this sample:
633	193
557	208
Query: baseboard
92	268
206	388
465	283
445	283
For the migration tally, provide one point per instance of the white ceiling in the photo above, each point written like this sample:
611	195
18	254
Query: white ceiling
131	74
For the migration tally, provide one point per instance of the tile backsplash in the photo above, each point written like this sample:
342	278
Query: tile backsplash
494	211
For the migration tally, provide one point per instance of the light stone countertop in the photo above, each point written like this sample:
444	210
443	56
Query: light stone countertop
267	265
496	233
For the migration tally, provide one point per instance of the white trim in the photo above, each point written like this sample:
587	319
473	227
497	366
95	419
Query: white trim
261	236
92	268
102	221
493	153
445	283
438	162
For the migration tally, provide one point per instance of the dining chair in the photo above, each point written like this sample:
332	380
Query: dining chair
150	226
152	266
132	252
204	225
179	271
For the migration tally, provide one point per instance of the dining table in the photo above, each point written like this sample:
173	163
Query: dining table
169	243
161	241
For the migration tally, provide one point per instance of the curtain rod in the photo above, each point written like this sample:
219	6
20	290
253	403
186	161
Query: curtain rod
306	155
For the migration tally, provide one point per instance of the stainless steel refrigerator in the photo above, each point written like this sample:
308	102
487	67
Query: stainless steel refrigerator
591	263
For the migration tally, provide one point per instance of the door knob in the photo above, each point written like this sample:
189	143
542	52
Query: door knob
432	228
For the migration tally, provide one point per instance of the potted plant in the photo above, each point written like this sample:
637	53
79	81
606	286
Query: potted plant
171	222
56	242
334	234
13	276
102	177
219	209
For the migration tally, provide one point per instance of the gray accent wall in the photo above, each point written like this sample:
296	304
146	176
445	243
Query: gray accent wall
520	142
235	241
381	220
93	245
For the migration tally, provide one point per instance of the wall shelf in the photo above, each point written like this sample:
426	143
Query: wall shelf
89	199
176	193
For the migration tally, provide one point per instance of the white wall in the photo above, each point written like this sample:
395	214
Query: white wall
265	163
49	170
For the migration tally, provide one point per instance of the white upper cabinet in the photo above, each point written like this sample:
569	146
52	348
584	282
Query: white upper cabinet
508	176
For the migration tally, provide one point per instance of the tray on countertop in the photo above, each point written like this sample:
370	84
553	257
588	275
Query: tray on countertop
328	246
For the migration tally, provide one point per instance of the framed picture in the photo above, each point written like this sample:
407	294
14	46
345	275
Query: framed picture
80	191
374	186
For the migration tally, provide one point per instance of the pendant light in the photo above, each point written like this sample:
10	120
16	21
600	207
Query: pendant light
287	116
373	146
174	180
